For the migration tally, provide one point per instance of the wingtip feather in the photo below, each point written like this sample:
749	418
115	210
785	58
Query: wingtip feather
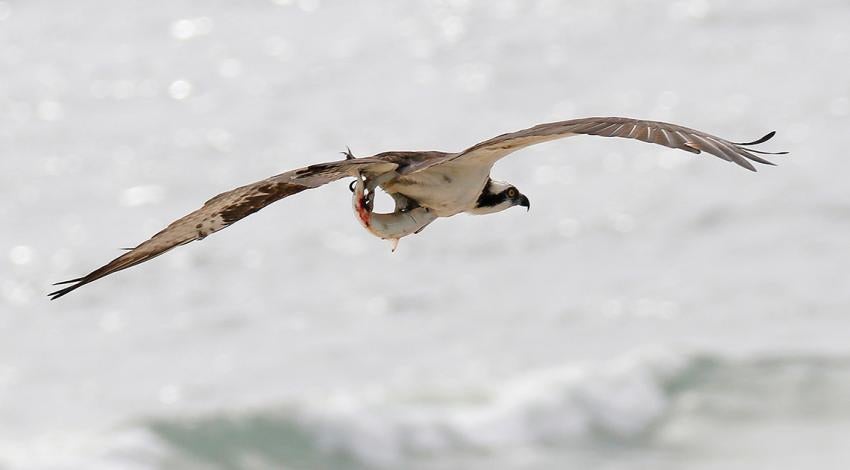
61	292
746	164
762	140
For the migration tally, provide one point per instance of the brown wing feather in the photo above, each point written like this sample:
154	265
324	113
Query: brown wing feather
227	208
661	133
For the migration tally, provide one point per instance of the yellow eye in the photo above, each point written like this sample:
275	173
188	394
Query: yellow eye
512	192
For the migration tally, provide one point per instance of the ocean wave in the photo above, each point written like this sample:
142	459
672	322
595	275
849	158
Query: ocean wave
622	402
651	400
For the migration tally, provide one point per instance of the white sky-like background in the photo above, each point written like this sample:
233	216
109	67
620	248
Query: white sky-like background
118	117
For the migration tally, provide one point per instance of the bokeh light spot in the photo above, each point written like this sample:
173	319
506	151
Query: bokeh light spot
189	28
180	89
142	195
49	110
21	255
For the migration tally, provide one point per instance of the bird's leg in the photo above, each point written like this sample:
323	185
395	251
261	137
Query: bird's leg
408	218
373	183
403	203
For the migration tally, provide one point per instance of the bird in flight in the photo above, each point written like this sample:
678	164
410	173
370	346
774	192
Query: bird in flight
425	185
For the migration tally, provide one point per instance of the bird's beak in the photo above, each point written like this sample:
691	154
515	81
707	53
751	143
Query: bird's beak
524	202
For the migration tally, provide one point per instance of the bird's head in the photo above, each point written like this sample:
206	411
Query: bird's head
498	196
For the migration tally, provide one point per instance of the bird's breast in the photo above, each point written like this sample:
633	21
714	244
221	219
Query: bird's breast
446	189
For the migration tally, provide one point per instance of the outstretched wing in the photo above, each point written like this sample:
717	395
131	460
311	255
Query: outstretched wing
662	133
228	207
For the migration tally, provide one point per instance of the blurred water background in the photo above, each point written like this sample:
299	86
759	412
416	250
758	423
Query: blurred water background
655	309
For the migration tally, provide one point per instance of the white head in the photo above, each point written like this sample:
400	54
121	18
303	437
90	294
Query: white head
498	196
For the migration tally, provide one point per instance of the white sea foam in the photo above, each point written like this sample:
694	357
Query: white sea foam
618	400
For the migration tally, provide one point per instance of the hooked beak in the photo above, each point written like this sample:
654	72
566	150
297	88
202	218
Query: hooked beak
524	202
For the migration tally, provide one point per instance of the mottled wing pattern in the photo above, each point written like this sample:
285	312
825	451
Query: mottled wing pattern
227	208
662	133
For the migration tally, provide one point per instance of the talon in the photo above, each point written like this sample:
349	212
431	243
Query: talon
394	241
369	200
351	185
366	204
348	154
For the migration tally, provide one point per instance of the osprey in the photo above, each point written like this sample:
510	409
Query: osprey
425	185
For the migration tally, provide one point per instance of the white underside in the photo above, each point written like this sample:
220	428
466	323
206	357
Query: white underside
446	189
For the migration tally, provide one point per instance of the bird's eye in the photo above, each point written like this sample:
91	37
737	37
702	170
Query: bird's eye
512	192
